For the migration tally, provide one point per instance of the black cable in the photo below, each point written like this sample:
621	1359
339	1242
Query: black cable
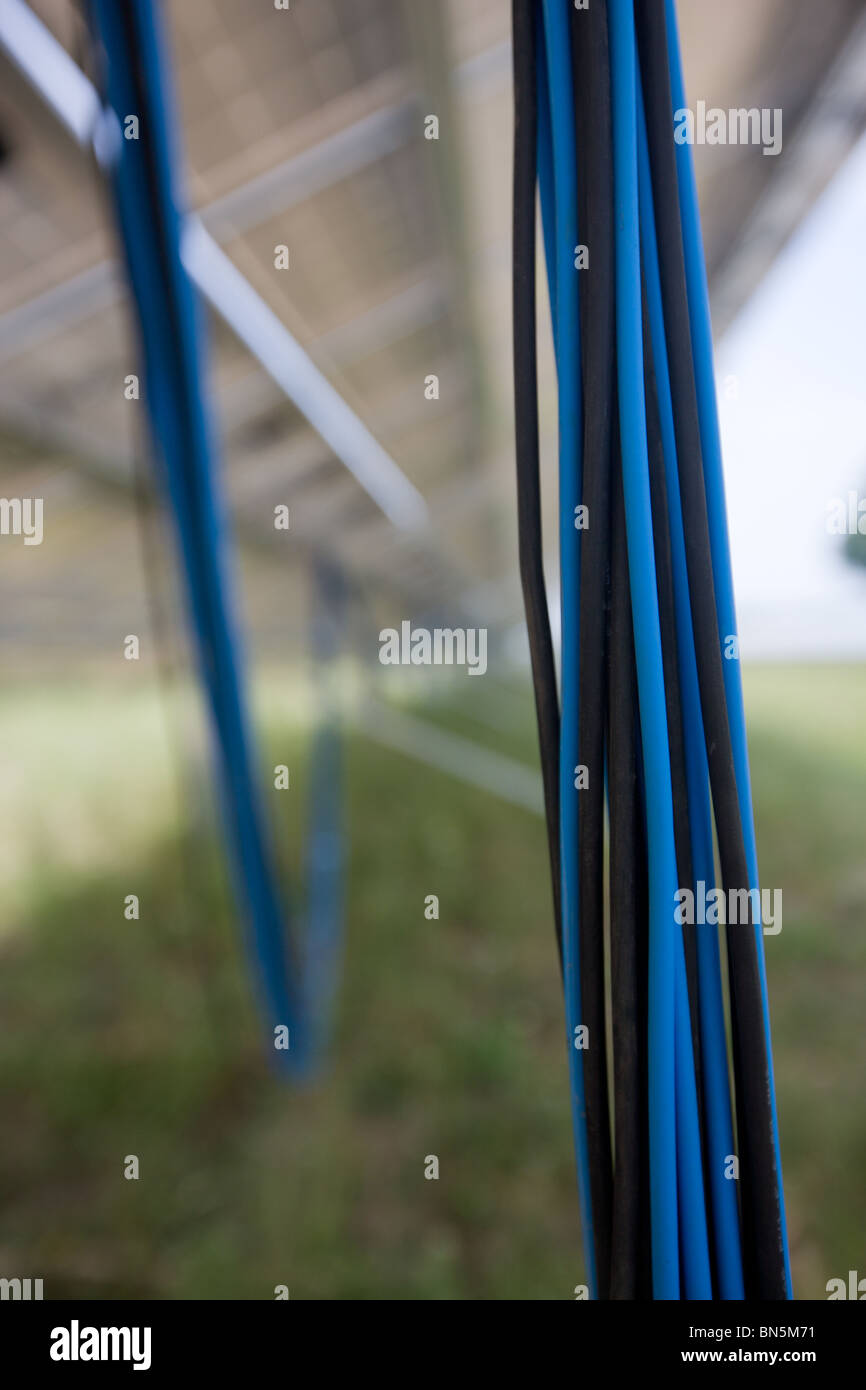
630	1275
762	1222
589	55
676	732
526	431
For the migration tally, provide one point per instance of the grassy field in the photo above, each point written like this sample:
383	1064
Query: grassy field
140	1037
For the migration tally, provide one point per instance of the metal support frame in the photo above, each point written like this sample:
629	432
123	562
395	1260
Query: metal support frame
70	95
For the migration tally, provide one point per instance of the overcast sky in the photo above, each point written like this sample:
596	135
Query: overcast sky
794	432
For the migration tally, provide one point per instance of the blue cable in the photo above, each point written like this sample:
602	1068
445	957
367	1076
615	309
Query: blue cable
568	371
168	316
648	654
173	356
702	348
714	1054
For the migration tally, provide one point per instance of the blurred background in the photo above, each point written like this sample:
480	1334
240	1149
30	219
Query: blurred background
305	128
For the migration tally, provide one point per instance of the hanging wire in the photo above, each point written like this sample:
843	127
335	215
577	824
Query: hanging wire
702	347
530	542
144	179
648	703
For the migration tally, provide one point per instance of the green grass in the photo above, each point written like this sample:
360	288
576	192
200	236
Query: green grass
808	747
141	1038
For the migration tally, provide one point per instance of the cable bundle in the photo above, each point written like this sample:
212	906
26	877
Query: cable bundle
296	978
651	738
